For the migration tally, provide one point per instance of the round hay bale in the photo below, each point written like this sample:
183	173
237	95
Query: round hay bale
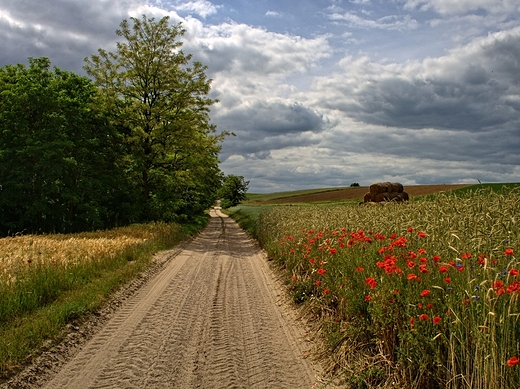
367	198
379	187
381	197
375	189
396	187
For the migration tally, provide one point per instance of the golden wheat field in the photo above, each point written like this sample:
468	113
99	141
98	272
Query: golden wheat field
23	252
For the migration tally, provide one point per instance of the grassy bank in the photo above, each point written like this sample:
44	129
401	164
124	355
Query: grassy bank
48	280
417	295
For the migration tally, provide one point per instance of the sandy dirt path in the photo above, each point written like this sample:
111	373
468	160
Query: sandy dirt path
212	318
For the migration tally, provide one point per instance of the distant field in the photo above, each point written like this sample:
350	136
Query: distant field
343	194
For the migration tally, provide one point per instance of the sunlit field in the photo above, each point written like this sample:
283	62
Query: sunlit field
48	280
417	295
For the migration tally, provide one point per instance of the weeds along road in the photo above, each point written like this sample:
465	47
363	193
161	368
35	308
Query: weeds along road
212	318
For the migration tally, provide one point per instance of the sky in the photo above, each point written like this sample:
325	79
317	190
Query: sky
325	93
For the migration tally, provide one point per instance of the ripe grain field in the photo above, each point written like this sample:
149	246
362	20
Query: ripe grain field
422	294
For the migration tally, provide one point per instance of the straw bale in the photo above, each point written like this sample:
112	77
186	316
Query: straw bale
378	188
382	197
391	196
367	197
396	187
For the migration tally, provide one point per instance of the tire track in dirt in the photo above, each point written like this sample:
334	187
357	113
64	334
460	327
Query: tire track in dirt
213	318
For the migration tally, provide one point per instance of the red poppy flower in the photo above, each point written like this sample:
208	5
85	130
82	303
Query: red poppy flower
371	282
360	269
436	320
421	251
424	317
465	255
513	272
318	283
514	287
421	234
368	298
333	251
411	277
325	291
497	284
425	293
509	252
412	321
512	361
321	271
443	269
436	258
410	229
447	280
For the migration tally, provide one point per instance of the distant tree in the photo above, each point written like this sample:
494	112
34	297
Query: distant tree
233	190
58	157
354	184
154	91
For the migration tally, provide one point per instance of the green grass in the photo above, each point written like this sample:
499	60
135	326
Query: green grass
247	217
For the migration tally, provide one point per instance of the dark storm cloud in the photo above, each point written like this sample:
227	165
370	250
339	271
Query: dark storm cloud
66	31
466	90
265	126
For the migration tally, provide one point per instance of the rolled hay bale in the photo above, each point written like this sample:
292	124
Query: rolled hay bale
379	198
385	187
379	187
396	187
391	196
367	198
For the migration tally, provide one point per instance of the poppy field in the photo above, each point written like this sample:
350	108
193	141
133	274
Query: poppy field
418	295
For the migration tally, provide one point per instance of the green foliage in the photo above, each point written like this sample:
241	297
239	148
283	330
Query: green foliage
247	217
58	156
233	191
159	96
134	145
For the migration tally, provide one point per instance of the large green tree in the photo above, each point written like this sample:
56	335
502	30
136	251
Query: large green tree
58	156
160	96
233	191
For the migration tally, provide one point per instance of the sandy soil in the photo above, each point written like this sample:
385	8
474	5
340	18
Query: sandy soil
358	193
210	315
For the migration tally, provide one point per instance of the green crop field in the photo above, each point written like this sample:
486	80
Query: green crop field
424	294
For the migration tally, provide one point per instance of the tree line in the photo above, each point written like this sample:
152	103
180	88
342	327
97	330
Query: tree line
132	143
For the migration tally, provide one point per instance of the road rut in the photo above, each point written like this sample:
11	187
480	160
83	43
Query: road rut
212	318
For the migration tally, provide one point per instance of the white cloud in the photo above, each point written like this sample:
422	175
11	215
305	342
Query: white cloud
273	14
390	22
458	7
202	8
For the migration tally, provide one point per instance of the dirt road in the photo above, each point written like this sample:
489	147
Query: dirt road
212	318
